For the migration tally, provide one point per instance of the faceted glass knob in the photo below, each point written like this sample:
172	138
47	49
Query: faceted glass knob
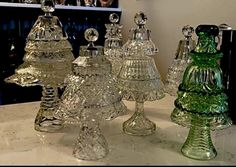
114	18
91	35
48	6
140	19
187	31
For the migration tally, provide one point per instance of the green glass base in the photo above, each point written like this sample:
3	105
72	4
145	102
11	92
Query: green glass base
199	153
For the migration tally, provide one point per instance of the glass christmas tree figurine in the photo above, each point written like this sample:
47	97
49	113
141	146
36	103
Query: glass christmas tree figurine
113	43
47	61
182	59
139	81
140	37
201	103
90	96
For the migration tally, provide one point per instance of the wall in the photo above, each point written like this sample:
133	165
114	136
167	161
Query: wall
167	17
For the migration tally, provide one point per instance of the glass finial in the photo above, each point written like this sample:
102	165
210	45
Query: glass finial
187	31
206	42
224	26
140	19
91	35
48	6
114	18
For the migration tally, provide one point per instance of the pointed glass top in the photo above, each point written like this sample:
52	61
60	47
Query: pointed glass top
48	6
187	31
206	38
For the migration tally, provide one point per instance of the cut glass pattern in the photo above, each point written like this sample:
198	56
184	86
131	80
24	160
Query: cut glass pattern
113	43
139	81
90	96
140	37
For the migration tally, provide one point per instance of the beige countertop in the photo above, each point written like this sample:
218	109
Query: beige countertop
20	144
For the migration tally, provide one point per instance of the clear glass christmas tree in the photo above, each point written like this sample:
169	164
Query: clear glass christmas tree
182	59
47	61
90	96
202	103
113	43
139	81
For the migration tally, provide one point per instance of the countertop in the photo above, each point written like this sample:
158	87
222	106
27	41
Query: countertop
20	144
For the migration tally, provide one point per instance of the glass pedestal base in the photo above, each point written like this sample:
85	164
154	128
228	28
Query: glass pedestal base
138	124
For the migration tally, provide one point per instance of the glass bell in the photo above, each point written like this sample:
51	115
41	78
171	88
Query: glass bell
139	81
202	104
47	61
182	59
113	43
90	96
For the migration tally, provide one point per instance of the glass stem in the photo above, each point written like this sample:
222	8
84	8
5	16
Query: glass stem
45	120
49	100
139	108
198	144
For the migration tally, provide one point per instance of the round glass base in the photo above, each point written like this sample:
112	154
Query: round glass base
90	146
139	128
49	125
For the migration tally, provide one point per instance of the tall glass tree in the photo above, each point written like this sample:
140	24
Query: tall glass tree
139	79
47	61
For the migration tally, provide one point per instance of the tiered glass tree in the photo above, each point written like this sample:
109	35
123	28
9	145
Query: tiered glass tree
90	96
202	103
113	43
139	80
182	59
47	61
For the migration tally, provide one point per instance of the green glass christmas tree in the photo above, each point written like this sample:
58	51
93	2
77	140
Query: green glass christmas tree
202	104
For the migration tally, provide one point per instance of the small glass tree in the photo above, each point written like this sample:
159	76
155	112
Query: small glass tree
182	59
202	103
113	44
91	95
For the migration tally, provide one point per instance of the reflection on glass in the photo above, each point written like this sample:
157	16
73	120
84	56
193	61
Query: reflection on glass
47	61
202	104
